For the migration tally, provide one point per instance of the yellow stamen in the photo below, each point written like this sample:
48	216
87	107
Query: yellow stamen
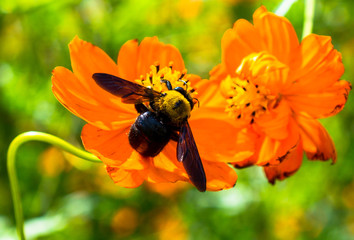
246	100
155	79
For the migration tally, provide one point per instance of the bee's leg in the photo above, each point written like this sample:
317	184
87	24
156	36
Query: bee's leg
152	105
182	75
184	81
168	84
196	99
141	108
174	136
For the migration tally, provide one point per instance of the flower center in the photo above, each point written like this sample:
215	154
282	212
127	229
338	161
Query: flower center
246	100
255	89
166	79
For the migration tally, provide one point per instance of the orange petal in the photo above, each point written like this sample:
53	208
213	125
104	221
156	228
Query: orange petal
257	140
273	151
217	113
218	73
274	123
166	168
219	140
167	160
277	35
152	51
316	141
287	167
136	169
209	94
112	147
128	60
247	162
85	104
219	176
237	43
316	66
162	168
87	59
323	104
126	178
135	162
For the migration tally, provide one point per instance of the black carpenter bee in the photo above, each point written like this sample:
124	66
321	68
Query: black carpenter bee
163	117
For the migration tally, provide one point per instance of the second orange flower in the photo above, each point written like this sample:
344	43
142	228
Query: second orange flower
277	88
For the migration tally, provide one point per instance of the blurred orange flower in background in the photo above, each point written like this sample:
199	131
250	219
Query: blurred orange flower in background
52	162
169	224
125	221
109	120
276	88
168	189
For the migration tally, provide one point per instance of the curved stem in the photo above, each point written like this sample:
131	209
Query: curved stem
284	7
11	153
308	18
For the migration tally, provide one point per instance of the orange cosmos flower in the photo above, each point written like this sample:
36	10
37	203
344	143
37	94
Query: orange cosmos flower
276	88
109	120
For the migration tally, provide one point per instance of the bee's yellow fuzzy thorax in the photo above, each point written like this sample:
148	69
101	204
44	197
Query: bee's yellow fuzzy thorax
176	106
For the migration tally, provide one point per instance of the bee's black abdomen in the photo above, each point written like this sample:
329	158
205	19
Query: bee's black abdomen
148	135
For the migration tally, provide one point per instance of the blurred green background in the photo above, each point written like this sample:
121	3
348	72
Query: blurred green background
67	198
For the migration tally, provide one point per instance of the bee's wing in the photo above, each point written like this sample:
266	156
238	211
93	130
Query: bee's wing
130	92
187	153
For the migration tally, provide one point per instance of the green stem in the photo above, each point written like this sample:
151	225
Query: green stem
308	18
284	7
11	153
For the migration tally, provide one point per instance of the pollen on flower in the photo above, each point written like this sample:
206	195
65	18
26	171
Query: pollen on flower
246	100
161	79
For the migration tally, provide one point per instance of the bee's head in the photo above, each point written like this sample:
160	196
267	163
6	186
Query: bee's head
175	106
